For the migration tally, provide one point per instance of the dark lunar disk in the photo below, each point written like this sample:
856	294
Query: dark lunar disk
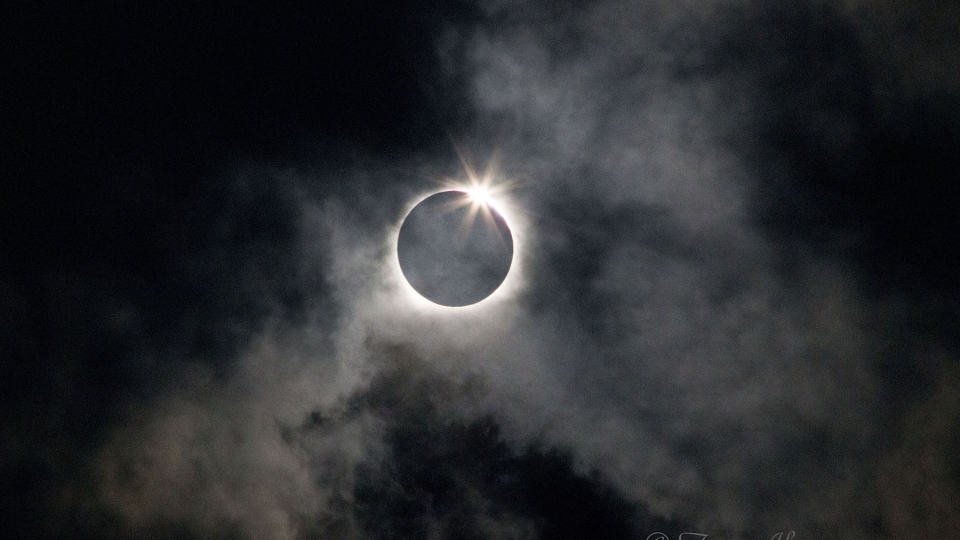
450	259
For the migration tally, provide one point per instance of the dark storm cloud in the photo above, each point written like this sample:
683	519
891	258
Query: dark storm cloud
720	321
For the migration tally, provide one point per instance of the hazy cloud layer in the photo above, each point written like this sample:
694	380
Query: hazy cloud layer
709	326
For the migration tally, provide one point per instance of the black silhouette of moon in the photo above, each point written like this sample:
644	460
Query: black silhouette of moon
454	250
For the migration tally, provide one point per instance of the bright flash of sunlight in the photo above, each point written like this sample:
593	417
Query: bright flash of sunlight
484	191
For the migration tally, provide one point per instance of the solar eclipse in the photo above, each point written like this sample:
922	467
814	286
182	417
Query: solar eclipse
455	249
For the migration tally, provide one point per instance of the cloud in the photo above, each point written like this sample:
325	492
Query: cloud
724	369
674	351
222	454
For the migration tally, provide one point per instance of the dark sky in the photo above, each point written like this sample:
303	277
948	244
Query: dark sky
733	309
